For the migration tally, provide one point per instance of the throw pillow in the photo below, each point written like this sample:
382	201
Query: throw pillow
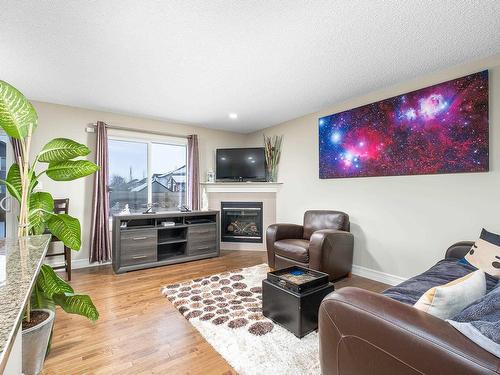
480	322
485	253
445	301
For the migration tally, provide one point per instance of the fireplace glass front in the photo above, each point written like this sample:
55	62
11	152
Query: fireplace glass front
241	222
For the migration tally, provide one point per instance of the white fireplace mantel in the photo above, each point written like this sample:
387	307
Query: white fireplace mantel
241	187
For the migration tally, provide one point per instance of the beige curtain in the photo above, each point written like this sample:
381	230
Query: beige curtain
193	173
100	244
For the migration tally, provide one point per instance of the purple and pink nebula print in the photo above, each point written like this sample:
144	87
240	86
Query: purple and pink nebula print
438	129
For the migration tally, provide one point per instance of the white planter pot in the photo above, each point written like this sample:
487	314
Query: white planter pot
35	342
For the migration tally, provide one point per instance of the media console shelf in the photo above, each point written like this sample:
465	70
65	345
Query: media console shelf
142	241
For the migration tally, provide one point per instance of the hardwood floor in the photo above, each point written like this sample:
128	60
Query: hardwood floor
139	331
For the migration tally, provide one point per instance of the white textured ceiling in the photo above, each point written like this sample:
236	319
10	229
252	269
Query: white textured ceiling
267	60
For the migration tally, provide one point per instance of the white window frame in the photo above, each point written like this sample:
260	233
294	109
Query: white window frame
149	139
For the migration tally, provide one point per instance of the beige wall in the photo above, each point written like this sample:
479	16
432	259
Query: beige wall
70	122
402	225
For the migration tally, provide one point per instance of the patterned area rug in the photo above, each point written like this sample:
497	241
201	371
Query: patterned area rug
227	310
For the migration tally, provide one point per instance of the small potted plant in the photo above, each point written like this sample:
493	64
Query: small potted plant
58	159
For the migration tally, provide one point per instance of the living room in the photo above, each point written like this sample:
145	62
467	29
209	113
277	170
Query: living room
250	187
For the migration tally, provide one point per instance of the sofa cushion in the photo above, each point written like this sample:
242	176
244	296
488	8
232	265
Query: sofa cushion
485	253
445	301
295	249
441	273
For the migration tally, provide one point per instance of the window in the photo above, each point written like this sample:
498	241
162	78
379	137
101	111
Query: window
146	170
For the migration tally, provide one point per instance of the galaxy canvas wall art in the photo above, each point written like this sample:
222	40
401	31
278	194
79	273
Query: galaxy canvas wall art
438	129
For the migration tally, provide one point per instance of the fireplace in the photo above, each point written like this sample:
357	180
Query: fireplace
241	222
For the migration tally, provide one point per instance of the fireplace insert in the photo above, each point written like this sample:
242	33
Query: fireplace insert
241	222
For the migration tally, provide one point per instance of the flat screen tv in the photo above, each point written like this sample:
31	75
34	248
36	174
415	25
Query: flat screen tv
240	164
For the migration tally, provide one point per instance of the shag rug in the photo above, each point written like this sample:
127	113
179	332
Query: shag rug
227	310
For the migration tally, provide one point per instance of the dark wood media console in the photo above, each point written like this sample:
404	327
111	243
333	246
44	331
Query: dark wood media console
141	241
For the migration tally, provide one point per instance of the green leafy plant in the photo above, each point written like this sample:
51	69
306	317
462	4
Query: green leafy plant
18	119
50	290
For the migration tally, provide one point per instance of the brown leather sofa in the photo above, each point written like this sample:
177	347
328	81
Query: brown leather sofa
323	243
362	332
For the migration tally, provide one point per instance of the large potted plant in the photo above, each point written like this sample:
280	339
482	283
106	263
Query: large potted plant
58	160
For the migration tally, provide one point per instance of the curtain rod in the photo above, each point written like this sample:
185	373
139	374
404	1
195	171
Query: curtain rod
93	125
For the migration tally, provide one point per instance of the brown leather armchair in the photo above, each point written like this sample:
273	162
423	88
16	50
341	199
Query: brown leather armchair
323	243
362	332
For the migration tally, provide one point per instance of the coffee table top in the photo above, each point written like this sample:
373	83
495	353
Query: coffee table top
298	276
298	279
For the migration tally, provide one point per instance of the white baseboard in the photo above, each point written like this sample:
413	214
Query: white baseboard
84	263
75	263
379	276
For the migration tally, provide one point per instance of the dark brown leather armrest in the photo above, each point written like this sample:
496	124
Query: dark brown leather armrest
331	251
362	332
276	232
458	250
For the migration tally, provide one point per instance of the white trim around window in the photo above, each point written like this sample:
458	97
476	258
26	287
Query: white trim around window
135	136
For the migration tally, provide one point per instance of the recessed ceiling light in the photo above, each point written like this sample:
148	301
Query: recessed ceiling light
233	116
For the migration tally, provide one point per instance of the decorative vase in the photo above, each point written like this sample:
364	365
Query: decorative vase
210	176
204	200
272	149
272	173
35	343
